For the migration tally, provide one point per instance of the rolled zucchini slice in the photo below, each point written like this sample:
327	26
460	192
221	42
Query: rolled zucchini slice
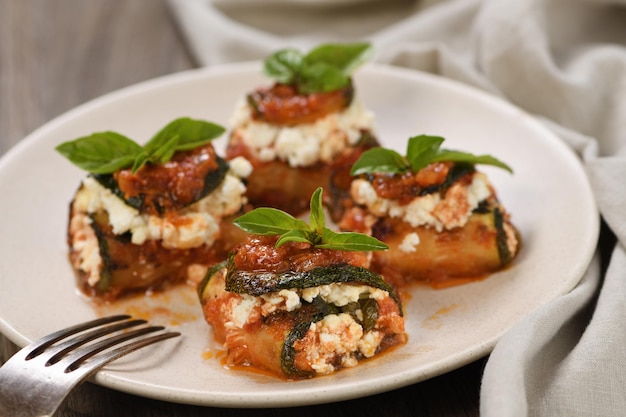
482	246
275	341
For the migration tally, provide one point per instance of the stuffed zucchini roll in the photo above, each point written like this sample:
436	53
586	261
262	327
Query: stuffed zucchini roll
440	216
299	300
304	131
150	216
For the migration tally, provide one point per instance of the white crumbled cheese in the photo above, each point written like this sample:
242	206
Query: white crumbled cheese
420	211
93	197
261	135
478	190
197	224
298	148
342	294
240	166
369	343
410	242
198	229
85	243
304	144
225	200
286	299
511	238
243	309
448	212
339	335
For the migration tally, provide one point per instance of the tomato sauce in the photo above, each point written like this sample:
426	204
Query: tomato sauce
406	186
173	185
258	253
282	104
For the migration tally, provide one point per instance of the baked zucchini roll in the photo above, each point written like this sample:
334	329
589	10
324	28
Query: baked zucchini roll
304	131
150	216
300	301
440	216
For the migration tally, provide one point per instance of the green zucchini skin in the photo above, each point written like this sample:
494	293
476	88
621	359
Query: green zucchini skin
202	285
256	283
211	181
501	238
307	314
105	272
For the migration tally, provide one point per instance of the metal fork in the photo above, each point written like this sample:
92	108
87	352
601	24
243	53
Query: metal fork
36	380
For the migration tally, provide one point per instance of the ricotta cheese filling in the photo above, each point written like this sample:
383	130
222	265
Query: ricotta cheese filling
338	338
442	213
304	144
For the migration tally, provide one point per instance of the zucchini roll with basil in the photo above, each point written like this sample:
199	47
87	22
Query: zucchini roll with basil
440	216
304	131
299	300
148	216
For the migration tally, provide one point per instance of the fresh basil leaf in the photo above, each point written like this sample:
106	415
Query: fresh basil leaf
269	221
317	220
140	161
350	241
295	235
165	152
379	160
344	57
321	78
325	68
101	153
107	152
458	156
192	133
421	150
283	65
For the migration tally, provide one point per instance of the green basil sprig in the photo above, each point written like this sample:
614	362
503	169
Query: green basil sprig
421	151
271	222
326	68
107	152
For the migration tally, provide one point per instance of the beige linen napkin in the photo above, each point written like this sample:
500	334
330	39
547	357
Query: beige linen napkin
561	60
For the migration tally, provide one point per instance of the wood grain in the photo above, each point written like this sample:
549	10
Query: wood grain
55	55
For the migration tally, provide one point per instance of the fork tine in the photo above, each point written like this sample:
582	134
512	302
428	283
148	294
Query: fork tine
78	356
106	357
42	344
61	349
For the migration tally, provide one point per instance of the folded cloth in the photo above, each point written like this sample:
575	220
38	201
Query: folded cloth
561	60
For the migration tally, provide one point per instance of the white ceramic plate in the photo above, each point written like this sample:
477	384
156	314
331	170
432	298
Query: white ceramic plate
548	196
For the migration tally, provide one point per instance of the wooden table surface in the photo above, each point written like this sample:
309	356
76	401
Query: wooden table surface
55	55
